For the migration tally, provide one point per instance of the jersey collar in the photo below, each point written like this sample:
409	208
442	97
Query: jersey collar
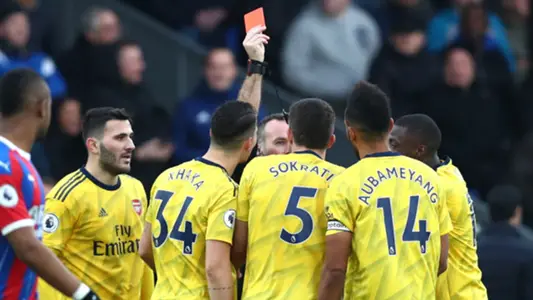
99	183
382	154
443	162
211	163
12	146
308	152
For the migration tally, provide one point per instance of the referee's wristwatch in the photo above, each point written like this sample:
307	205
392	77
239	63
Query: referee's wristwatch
257	67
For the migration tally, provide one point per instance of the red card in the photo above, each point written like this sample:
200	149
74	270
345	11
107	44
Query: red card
254	18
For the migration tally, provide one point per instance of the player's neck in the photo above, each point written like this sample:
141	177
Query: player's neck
228	161
433	161
93	167
367	149
296	148
18	135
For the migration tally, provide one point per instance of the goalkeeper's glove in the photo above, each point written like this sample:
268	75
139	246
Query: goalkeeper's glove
84	293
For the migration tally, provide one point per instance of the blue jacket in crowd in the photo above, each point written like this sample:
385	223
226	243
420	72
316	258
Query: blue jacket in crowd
444	29
192	120
40	63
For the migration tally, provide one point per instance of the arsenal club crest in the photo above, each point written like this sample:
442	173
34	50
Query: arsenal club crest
137	206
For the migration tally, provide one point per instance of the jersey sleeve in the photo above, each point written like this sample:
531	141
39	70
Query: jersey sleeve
339	211
221	216
457	202
13	209
58	222
445	223
243	203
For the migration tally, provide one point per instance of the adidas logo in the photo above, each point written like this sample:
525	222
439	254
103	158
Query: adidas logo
102	213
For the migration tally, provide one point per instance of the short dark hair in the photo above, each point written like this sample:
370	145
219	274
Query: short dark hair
312	122
423	128
96	118
368	109
15	89
232	123
503	201
262	124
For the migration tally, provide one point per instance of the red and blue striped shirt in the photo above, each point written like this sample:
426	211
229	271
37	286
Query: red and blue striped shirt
21	205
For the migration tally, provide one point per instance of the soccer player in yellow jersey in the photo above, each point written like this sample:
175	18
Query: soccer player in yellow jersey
190	220
388	224
281	226
418	136
94	216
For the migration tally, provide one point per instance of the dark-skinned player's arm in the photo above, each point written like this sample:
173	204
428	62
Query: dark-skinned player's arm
445	225
254	44
338	250
340	214
17	226
240	243
145	247
47	266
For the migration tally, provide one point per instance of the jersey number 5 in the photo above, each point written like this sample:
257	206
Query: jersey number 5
292	209
409	233
188	237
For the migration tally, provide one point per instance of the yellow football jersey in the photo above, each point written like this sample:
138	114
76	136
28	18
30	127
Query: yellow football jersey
462	279
190	204
282	199
95	230
396	209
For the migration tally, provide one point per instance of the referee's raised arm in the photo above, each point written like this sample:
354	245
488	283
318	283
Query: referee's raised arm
254	44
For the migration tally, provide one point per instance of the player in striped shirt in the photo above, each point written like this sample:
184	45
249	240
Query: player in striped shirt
25	109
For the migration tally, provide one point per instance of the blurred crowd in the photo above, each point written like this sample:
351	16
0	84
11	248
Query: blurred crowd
463	62
466	63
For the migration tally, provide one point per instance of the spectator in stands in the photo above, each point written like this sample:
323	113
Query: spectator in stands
42	164
46	20
461	106
101	27
399	10
404	69
14	36
192	117
521	174
273	135
328	49
445	28
505	253
474	35
515	15
121	84
64	145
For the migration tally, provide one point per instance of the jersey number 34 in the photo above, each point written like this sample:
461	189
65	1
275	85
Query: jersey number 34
188	237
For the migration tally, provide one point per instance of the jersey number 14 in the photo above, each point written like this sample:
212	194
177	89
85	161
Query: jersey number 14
409	233
188	237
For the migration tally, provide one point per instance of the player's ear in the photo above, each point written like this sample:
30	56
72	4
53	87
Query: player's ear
391	124
350	133
420	150
210	133
92	145
332	139
290	136
249	144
